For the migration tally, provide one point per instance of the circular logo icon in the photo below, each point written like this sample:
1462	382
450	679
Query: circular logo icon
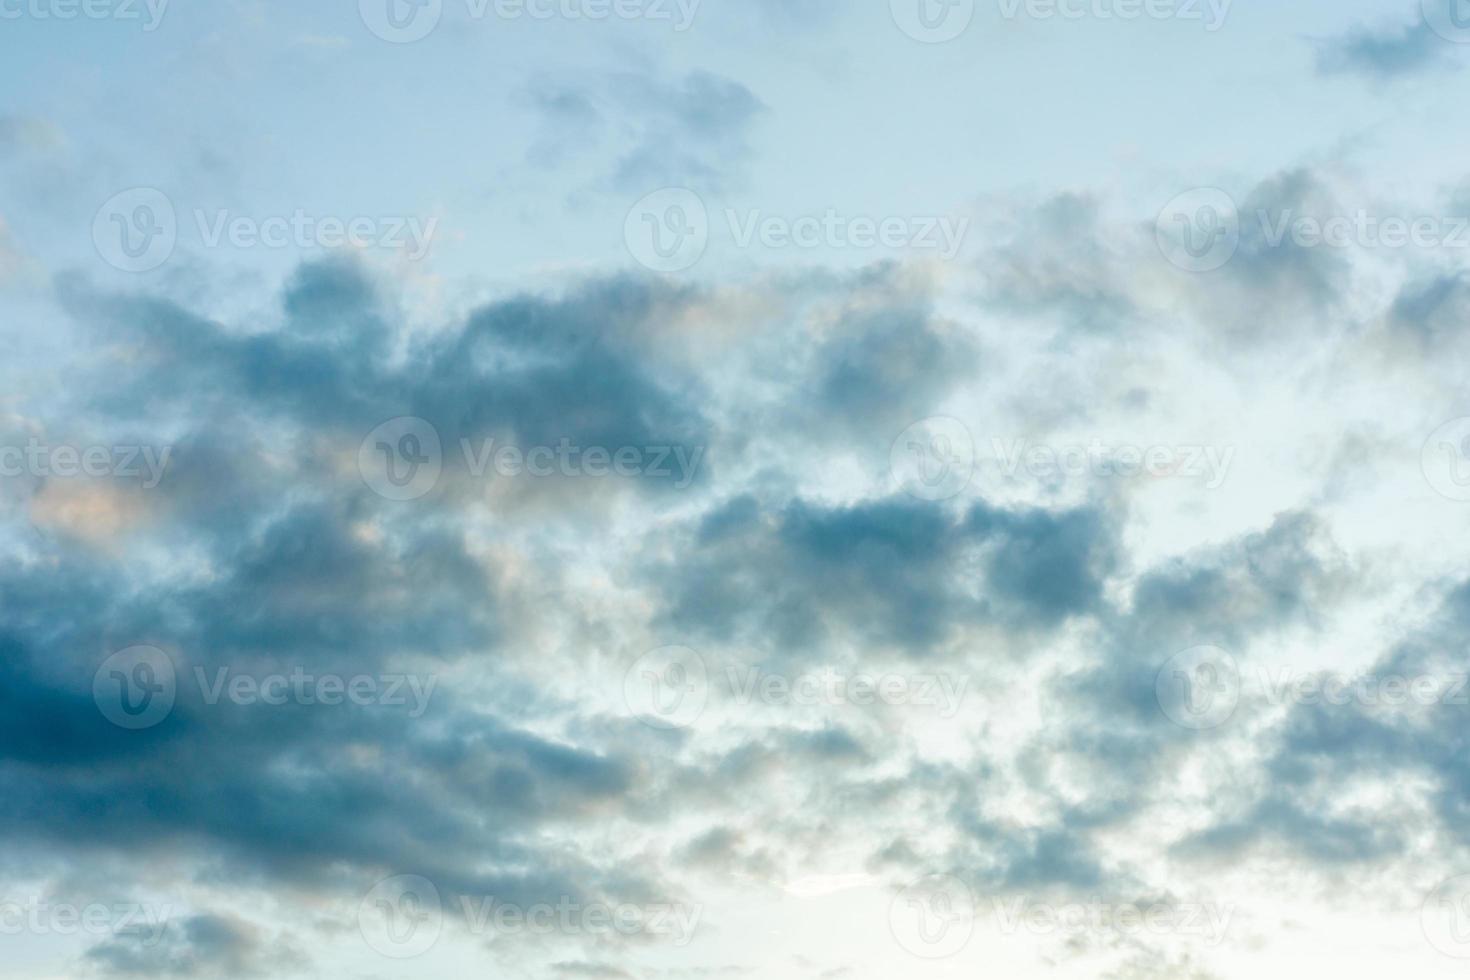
1199	231
135	688
1445	917
401	917
933	21
934	917
1445	459
668	230
667	688
1199	688
1450	19
401	459
136	230
401	21
933	459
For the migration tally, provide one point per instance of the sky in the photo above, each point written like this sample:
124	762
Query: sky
787	489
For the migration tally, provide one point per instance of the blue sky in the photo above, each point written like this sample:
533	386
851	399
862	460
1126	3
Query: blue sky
587	489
